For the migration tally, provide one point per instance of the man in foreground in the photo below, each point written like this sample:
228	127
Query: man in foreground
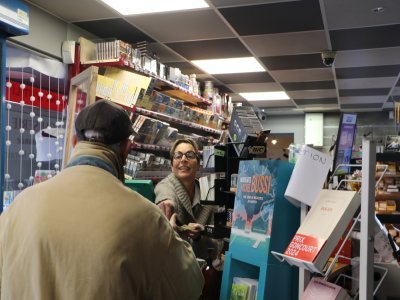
83	235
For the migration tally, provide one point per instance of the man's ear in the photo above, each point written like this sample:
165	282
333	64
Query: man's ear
74	140
125	148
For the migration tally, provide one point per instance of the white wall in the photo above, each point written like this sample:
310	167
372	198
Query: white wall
287	124
47	32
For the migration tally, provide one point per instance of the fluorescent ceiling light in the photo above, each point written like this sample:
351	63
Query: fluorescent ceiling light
136	7
229	65
264	96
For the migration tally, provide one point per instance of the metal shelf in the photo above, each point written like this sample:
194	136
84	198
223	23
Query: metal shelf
167	118
165	86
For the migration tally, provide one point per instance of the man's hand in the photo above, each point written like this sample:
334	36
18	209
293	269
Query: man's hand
194	231
167	207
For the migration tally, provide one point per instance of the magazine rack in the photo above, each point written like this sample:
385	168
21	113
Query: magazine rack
366	218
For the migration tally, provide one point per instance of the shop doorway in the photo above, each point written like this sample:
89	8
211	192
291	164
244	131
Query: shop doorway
278	144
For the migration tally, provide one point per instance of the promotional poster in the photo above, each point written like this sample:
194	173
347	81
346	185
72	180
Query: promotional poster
254	204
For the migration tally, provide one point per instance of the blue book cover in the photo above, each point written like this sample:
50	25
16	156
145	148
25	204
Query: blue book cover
257	190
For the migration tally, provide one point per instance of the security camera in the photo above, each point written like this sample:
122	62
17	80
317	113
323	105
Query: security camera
261	115
328	57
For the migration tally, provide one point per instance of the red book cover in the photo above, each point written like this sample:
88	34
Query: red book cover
305	247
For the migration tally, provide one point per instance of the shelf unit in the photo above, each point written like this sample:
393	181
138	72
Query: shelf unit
385	217
168	118
85	89
87	55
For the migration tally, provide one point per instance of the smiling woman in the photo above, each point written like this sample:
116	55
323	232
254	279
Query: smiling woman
178	196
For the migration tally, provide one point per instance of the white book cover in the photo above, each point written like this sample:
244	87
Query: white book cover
322	229
308	176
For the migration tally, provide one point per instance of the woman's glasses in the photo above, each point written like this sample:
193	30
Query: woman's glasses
189	155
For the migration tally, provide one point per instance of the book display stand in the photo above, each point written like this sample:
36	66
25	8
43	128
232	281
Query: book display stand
263	220
366	217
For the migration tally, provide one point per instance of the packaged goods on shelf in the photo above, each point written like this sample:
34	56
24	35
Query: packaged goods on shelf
107	50
169	136
173	74
139	161
150	130
245	127
116	91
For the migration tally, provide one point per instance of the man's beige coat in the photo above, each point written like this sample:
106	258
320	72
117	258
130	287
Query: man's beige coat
83	235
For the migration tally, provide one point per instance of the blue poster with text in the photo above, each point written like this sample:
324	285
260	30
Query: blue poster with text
258	189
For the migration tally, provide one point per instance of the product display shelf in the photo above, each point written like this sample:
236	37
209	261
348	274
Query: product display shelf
157	175
167	87
167	118
88	48
150	147
152	175
249	251
173	90
386	217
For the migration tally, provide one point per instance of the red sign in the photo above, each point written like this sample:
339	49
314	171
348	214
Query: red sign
304	247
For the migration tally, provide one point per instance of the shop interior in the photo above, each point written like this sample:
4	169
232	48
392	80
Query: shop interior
302	80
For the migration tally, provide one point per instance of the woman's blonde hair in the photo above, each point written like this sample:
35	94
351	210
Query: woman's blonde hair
185	141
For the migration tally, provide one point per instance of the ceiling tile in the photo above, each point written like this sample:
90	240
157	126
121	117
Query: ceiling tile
305	74
254	77
343	14
164	53
361	100
183	26
370	37
360	83
364	72
273	103
223	89
388	105
312	94
255	87
185	67
318	108
363	92
357	106
287	43
210	49
317	101
278	17
115	28
222	3
308	85
287	62
368	57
